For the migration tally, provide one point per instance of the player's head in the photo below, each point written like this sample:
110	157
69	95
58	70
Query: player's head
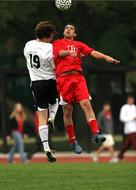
45	30
130	99
106	106
69	31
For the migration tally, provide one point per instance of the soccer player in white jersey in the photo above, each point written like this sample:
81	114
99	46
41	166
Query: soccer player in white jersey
39	57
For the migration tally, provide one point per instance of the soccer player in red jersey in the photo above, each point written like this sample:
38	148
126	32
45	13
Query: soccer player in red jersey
71	84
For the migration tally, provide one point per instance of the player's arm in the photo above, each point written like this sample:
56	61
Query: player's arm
99	55
64	53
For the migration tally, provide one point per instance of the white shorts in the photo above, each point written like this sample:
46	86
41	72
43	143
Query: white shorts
109	140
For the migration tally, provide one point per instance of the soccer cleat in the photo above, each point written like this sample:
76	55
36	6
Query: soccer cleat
77	149
51	126
99	138
51	157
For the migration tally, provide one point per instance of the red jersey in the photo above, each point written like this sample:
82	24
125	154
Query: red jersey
69	63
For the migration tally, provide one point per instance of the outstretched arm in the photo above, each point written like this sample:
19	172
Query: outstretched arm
99	55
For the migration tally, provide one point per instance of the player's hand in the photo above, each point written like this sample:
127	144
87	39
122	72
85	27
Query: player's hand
111	60
73	53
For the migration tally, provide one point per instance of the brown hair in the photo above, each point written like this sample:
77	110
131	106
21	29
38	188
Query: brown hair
72	25
44	29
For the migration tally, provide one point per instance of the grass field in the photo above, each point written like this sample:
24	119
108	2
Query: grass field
68	176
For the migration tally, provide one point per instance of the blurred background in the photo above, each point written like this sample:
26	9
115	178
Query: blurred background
107	26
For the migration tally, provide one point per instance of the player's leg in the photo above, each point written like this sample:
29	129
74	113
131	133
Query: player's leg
69	126
64	86
68	122
13	149
52	113
125	147
111	151
109	144
96	155
20	146
43	133
133	140
91	120
40	89
53	104
81	95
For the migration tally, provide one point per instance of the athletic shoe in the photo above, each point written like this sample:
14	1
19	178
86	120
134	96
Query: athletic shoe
115	160
51	157
51	126
99	138
95	157
76	148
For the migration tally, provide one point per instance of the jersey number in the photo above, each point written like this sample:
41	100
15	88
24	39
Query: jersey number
34	61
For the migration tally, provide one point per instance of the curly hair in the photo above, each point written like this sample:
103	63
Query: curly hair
44	29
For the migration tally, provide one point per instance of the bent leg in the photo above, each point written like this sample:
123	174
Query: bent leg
91	120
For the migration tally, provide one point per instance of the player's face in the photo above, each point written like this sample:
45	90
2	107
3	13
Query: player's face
69	32
106	108
130	100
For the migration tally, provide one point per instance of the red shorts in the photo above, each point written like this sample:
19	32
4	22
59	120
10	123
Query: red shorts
72	88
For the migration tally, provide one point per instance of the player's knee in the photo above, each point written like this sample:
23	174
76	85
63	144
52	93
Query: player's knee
86	105
67	110
42	117
42	122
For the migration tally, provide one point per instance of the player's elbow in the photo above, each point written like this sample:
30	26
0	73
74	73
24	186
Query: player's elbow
95	54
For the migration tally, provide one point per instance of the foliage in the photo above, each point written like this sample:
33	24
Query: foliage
110	26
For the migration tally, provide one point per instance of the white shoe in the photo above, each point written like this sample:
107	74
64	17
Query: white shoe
95	157
114	160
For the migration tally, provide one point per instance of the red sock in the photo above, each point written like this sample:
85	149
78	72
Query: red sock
93	125
70	133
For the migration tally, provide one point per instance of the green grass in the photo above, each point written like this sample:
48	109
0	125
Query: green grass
68	176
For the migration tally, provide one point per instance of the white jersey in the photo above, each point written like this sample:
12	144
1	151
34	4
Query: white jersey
39	57
128	117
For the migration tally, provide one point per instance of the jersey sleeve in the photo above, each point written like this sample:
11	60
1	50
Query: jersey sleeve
85	50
